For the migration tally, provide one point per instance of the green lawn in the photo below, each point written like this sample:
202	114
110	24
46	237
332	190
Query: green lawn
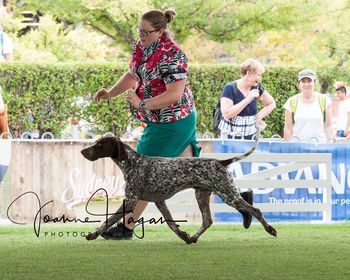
301	251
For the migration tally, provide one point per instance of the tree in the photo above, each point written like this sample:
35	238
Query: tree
218	20
305	33
330	44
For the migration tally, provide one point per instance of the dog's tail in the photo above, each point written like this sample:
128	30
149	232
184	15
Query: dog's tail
227	162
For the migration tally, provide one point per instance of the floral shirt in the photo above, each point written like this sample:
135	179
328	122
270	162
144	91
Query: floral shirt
155	66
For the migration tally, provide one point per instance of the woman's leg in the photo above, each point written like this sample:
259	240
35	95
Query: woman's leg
131	219
188	152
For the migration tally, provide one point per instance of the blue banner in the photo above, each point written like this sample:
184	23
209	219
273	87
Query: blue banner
340	179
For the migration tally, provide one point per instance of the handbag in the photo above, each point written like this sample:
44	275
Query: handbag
4	123
217	116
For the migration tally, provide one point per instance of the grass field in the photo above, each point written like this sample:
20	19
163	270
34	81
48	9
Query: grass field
301	251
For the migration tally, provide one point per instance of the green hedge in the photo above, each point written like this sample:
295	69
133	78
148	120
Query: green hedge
43	97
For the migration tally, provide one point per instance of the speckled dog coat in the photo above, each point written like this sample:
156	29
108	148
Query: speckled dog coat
156	179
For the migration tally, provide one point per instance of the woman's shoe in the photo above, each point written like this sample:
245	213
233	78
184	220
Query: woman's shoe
119	232
247	218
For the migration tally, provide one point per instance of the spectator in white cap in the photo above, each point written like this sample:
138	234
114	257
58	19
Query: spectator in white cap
307	114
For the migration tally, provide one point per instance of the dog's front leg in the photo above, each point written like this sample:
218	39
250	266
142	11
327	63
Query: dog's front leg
127	207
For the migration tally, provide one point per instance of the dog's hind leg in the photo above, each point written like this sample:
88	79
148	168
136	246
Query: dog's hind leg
161	205
203	199
241	205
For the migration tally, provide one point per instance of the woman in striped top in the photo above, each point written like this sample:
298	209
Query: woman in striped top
240	110
239	102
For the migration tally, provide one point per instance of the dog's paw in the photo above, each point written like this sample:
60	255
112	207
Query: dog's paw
92	236
271	230
193	239
186	237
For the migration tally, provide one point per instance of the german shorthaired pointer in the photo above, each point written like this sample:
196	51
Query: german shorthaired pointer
156	179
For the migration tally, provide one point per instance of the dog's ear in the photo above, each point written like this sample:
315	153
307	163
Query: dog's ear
120	150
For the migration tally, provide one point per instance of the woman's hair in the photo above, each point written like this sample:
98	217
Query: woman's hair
252	65
340	87
158	19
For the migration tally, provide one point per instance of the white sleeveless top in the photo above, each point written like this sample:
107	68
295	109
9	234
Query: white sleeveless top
308	121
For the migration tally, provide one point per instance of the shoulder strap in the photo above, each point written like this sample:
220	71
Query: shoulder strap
294	102
322	103
234	87
293	105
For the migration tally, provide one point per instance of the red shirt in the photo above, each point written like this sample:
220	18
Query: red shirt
161	63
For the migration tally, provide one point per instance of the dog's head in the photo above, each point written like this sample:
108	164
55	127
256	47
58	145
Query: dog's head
106	147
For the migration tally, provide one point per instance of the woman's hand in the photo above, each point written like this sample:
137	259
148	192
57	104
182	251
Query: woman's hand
254	93
133	99
261	125
101	94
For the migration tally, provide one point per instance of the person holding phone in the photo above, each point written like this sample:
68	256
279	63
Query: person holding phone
239	102
239	108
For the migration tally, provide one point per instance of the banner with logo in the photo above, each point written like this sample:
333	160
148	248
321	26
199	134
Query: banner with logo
340	179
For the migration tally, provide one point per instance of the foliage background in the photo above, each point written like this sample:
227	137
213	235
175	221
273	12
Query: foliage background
45	96
301	33
49	83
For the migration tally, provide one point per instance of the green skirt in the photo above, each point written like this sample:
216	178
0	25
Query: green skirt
169	139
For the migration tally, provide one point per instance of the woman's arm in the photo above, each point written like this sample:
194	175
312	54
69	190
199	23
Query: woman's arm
173	94
230	110
288	125
269	105
125	82
2	105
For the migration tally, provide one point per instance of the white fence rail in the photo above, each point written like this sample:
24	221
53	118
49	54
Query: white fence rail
185	202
